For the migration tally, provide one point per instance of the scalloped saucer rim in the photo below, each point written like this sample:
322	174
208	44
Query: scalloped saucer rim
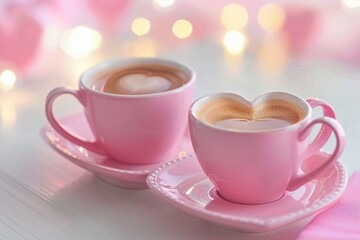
164	182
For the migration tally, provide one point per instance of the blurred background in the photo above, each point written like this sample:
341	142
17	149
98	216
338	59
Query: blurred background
242	46
35	33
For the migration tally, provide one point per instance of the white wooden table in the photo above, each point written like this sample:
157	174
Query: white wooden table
44	196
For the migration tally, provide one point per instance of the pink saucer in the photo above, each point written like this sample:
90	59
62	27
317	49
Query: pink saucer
116	173
182	183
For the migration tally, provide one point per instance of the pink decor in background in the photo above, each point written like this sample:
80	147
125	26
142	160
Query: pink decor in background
325	29
301	26
339	37
341	221
108	12
20	36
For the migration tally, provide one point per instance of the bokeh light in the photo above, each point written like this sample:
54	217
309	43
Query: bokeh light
182	28
271	17
352	3
234	42
182	154
80	41
272	55
8	115
164	3
10	102
51	36
7	80
234	16
140	26
143	48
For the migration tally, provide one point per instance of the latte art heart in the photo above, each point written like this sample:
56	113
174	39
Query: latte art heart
141	83
140	80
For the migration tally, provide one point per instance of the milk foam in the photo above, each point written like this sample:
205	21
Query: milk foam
229	113
140	83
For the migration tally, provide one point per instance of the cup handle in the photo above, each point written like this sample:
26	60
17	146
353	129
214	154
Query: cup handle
301	178
324	133
92	146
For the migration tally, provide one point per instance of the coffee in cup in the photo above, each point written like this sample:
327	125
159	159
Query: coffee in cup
140	79
230	114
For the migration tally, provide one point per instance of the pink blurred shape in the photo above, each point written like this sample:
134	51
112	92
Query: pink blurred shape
108	12
20	37
301	26
341	221
340	37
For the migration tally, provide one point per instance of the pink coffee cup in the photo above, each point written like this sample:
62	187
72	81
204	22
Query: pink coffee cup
259	166
138	129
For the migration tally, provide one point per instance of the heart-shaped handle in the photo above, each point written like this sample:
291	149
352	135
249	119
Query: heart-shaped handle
324	133
301	178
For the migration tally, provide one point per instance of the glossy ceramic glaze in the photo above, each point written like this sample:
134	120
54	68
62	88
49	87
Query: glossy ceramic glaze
183	183
114	172
137	129
253	166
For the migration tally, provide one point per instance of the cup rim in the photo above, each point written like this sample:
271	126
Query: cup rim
194	106
129	61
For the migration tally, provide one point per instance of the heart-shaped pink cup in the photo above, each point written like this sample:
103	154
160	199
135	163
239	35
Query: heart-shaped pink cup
258	166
